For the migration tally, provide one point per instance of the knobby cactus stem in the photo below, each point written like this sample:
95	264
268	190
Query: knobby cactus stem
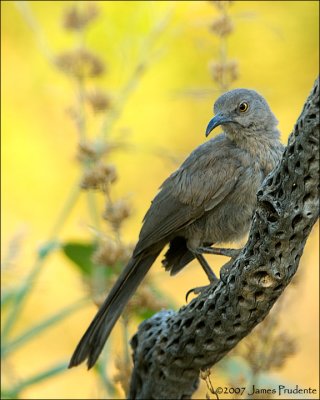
170	348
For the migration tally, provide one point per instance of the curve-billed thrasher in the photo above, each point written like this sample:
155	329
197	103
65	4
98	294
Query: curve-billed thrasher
209	199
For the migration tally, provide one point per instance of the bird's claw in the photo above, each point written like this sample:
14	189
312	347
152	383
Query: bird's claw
197	290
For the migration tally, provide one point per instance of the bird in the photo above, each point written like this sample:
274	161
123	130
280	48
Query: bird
210	199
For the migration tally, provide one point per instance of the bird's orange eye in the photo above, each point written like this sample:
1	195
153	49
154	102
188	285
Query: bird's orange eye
243	107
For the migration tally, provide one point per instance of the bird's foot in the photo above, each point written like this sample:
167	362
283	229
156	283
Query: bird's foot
198	290
210	274
232	253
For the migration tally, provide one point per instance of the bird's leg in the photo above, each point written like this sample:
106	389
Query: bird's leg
206	267
210	274
232	253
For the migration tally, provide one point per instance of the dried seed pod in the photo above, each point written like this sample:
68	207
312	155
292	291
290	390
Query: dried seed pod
108	253
283	347
77	19
224	72
222	26
221	4
99	177
145	299
80	63
117	212
126	253
98	100
88	151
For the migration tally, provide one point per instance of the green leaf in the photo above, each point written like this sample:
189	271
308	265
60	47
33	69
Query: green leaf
38	328
47	248
80	254
7	296
41	376
145	313
9	394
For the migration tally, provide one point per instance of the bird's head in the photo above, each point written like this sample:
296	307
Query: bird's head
242	112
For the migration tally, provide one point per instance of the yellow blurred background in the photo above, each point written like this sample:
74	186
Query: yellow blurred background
276	47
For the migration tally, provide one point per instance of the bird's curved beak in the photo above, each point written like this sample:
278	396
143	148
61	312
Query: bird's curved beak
217	120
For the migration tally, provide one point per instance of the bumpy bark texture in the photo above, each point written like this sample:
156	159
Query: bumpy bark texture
170	348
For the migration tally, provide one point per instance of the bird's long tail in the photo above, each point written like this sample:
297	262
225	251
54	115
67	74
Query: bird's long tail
92	342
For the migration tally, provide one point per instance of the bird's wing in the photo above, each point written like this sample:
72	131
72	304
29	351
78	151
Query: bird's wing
165	216
204	180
